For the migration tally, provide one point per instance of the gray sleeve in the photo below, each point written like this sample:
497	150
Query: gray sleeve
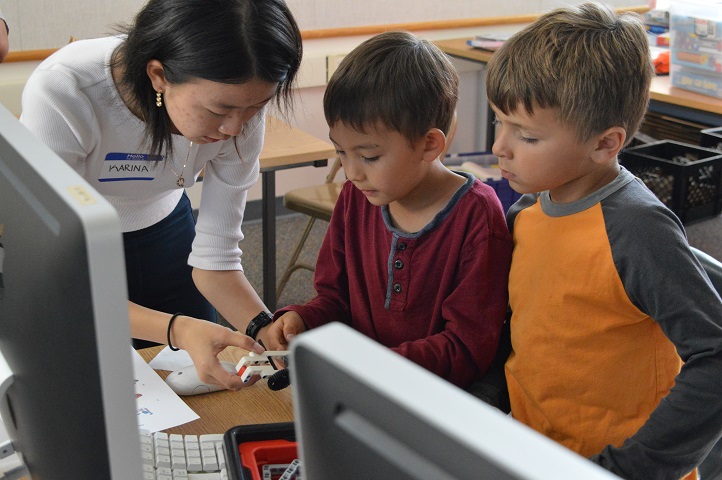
523	202
663	278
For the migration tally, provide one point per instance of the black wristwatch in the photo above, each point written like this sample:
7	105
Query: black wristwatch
258	322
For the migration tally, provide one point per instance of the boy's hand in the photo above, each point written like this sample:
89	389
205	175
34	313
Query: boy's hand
282	330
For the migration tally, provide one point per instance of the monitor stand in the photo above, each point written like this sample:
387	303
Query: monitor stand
17	468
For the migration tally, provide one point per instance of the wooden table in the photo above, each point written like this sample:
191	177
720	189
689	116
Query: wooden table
284	147
457	47
680	103
664	98
220	411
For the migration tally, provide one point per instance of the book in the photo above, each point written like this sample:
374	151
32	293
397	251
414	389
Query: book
493	36
489	41
490	45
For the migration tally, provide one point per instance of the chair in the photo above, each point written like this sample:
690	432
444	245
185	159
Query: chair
318	202
712	266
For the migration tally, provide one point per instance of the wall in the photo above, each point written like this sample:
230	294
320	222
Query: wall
41	24
45	24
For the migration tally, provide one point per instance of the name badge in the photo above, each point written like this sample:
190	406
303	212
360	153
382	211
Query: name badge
123	167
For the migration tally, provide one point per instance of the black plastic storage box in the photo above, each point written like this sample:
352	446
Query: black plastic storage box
685	177
711	138
252	449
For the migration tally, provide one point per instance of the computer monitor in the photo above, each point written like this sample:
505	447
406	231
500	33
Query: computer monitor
363	411
69	408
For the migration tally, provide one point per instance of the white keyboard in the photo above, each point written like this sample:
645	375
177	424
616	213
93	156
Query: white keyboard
182	457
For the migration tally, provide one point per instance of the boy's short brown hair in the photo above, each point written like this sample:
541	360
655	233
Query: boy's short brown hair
396	79
588	62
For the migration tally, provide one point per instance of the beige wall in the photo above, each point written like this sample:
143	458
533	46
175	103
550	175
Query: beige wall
43	24
308	114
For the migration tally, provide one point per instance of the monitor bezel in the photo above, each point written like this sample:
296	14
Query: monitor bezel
83	258
363	411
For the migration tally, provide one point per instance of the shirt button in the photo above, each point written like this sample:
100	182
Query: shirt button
402	246
397	287
398	264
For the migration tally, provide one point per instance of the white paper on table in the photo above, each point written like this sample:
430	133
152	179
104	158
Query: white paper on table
10	462
158	406
168	359
3	432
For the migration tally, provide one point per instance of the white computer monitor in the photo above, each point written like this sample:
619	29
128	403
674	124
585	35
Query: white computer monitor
365	412
69	407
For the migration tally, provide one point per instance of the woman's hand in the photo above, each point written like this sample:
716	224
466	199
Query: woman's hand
280	332
204	341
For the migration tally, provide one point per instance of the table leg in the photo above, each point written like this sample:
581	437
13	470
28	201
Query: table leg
268	214
490	127
486	115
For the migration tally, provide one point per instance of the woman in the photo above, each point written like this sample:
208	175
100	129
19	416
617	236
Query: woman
4	32
139	115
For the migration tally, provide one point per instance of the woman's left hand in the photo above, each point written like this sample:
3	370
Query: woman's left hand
204	341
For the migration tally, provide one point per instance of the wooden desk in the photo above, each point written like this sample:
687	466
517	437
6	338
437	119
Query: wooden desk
220	411
664	98
457	47
680	103
284	147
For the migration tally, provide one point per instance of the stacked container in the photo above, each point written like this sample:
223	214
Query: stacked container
686	178
696	46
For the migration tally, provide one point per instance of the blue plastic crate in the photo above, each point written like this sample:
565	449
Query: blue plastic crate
506	194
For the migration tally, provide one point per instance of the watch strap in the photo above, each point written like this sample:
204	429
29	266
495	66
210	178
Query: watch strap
257	323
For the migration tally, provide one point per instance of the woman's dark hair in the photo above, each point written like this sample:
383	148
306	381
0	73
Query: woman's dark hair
227	41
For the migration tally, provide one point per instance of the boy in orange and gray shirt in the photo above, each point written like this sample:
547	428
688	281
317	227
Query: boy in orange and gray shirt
616	330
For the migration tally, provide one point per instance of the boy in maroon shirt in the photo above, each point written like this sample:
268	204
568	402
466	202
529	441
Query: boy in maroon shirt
416	256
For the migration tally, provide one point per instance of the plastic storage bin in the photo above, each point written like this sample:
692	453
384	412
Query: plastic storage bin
503	190
686	178
711	138
696	46
250	448
694	81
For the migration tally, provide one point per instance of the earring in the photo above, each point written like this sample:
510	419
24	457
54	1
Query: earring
158	99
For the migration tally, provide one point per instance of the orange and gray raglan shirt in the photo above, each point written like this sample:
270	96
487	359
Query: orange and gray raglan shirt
608	304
